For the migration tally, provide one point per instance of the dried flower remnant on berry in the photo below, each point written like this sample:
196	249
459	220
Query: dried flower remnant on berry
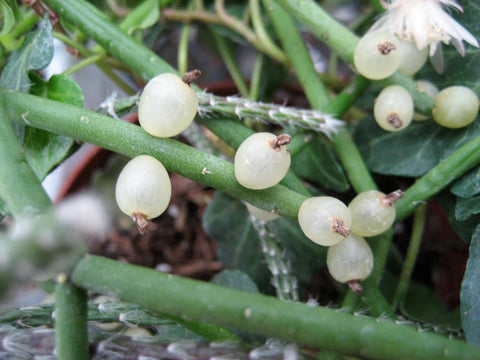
386	47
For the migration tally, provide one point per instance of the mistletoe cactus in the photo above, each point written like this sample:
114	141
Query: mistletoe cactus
335	159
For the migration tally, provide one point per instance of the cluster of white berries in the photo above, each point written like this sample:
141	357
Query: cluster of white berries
167	106
399	41
262	161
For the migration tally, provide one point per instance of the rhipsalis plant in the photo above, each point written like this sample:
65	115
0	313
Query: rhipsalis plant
256	198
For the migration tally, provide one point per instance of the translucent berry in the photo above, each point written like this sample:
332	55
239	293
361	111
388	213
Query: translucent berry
167	105
376	55
262	160
324	220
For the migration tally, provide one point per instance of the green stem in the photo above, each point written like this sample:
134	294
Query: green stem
141	60
298	55
439	177
16	173
256	77
313	326
410	259
26	23
374	299
71	321
229	60
131	140
182	61
85	62
352	161
263	37
338	106
324	26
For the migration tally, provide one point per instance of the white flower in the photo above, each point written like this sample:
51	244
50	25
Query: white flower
425	23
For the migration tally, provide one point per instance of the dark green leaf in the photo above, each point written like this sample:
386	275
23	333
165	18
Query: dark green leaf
424	305
317	163
470	293
35	54
464	228
305	256
64	89
468	185
235	279
45	150
412	151
227	221
467	207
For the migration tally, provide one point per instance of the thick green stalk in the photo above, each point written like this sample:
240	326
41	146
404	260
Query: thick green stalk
71	321
131	140
16	173
410	259
352	161
313	326
262	34
439	177
323	25
338	106
141	60
298	55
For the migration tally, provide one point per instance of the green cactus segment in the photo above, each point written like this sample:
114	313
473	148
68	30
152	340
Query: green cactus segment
71	321
313	326
131	140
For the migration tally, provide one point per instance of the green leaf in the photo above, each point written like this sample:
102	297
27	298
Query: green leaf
424	305
8	17
412	151
464	228
470	293
45	150
150	19
235	279
64	89
465	208
35	54
468	185
317	164
227	221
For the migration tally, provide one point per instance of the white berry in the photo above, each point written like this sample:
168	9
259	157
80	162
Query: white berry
167	106
376	55
143	189
324	219
393	109
350	260
262	160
